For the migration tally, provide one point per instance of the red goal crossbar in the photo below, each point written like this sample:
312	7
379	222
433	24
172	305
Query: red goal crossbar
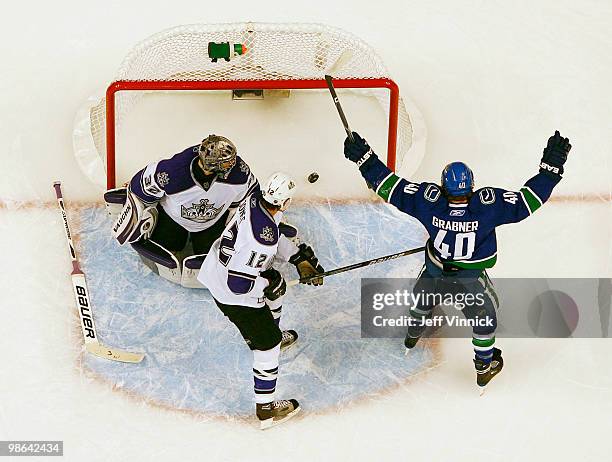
291	84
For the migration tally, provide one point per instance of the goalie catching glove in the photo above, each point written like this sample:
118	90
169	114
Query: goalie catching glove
307	264
136	220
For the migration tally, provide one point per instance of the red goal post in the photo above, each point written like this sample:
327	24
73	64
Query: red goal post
306	84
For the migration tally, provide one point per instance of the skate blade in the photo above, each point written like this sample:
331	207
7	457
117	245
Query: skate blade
269	423
288	347
481	390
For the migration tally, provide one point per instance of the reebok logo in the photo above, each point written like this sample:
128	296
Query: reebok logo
457	213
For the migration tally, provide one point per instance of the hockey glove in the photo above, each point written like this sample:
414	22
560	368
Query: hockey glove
276	287
359	151
555	155
307	264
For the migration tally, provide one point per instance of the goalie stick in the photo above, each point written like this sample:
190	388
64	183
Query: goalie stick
81	295
332	90
343	269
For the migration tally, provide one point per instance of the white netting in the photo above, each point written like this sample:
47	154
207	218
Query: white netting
275	52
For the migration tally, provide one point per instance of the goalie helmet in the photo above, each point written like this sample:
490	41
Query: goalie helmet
217	154
279	190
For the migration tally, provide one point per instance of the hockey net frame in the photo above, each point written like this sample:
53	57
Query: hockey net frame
279	56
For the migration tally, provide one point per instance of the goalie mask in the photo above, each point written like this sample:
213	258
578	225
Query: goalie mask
217	154
279	190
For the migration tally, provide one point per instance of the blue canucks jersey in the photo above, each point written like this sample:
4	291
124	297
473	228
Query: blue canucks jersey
460	235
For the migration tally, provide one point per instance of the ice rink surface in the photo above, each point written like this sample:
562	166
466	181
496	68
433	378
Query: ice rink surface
492	81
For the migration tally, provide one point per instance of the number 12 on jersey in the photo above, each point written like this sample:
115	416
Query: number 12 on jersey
257	260
463	247
227	249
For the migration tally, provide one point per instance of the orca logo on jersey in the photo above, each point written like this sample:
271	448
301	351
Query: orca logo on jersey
487	196
432	193
200	213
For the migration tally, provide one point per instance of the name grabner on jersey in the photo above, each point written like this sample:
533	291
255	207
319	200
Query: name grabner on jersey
458	226
200	213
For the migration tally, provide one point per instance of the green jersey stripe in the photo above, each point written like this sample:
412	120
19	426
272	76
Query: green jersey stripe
533	201
386	187
488	263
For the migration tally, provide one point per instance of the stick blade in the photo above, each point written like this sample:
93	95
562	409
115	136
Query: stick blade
114	354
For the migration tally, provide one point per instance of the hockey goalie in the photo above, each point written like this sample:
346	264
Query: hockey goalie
173	210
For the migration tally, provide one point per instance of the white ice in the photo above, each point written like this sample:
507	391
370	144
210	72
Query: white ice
492	79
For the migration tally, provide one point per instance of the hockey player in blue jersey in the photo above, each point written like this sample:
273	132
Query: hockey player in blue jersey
461	225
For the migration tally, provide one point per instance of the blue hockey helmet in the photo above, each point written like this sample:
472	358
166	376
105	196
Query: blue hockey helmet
457	179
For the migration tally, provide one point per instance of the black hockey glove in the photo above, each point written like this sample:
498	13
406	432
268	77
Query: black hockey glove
359	151
307	264
555	155
276	284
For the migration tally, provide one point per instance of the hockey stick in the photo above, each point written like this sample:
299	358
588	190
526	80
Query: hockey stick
332	90
81	295
343	269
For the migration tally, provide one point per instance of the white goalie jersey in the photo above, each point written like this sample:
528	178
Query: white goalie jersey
248	246
172	184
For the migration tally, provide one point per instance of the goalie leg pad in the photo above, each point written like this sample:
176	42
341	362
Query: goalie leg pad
159	260
191	268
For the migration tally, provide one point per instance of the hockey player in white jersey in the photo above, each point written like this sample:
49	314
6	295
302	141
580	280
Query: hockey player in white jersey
187	197
238	273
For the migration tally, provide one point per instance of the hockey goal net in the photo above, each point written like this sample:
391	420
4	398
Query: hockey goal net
278	57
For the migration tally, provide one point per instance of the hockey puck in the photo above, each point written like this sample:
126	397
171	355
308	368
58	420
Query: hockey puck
314	176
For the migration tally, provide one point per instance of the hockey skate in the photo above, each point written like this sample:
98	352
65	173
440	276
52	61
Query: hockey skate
410	342
486	372
289	338
276	412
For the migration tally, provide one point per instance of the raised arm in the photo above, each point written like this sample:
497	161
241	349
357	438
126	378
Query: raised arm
510	206
399	192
